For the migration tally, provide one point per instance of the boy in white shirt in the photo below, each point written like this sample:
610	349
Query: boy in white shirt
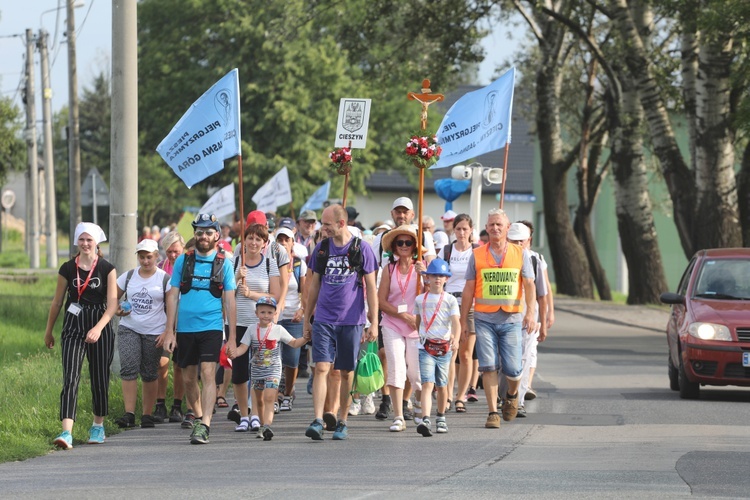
438	322
266	359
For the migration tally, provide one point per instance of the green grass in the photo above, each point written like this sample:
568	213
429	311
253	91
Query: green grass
31	375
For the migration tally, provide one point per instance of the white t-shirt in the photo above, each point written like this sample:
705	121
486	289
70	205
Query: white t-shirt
459	262
146	295
292	294
440	328
257	279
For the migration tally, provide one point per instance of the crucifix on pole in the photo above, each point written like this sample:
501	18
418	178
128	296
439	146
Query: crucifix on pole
425	98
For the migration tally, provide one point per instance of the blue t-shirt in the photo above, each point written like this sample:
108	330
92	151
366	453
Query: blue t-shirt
198	310
341	301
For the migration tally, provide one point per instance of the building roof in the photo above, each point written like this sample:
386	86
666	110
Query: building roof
520	158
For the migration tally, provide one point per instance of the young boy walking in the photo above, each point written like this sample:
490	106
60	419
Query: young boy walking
438	322
264	342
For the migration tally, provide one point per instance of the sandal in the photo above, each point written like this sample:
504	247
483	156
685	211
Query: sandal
460	406
221	402
448	407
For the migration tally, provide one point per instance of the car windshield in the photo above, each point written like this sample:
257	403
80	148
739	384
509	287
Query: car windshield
726	279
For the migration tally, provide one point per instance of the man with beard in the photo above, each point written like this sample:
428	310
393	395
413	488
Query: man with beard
203	281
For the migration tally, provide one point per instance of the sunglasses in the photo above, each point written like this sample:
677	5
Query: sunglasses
207	232
406	243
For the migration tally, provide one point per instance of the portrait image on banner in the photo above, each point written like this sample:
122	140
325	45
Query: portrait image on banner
207	134
353	123
478	123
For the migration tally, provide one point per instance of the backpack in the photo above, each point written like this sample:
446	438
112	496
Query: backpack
353	254
216	286
297	268
449	248
165	280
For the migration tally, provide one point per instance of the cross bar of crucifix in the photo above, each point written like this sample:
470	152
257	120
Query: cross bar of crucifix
425	99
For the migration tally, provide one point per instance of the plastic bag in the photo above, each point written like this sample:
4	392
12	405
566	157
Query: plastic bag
368	377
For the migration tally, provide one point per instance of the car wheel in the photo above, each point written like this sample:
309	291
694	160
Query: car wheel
674	375
688	389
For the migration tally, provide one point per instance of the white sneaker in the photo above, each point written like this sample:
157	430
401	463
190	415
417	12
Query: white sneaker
355	408
398	425
368	405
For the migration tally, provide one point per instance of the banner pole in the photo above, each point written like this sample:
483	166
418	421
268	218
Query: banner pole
505	174
346	180
242	212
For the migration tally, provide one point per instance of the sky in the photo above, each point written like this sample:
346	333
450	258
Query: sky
94	46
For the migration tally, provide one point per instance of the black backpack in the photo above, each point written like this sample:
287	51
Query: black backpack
353	254
216	286
447	250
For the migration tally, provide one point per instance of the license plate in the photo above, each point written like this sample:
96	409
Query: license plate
746	359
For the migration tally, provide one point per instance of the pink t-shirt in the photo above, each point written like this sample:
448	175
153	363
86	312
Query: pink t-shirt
403	290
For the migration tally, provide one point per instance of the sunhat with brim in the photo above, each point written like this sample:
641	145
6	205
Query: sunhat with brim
406	229
519	232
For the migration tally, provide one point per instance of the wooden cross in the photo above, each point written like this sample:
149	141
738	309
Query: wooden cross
425	98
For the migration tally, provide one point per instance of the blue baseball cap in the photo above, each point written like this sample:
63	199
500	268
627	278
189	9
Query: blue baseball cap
438	267
265	301
206	221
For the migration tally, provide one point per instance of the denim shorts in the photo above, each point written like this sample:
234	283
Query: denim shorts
290	355
337	344
499	345
434	369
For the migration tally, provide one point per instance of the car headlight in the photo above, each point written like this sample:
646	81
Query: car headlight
709	331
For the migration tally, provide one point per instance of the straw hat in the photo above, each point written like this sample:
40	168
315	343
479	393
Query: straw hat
390	236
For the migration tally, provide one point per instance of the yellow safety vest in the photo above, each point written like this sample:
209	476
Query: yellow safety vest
497	287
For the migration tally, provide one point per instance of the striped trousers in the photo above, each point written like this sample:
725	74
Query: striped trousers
98	354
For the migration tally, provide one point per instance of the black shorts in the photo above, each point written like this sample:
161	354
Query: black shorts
241	364
199	347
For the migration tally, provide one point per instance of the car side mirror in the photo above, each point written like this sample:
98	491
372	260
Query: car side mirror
674	299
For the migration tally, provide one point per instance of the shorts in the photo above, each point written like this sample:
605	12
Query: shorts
241	364
434	369
290	355
337	344
199	347
499	345
138	355
265	383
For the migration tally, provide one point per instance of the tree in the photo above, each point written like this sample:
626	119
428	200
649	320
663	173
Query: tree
12	147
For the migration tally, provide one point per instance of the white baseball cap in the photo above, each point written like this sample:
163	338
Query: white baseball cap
519	232
147	245
403	202
286	232
449	215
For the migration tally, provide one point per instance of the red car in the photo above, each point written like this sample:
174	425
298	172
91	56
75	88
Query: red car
709	327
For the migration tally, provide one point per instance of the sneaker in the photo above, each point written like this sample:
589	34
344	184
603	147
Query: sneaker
471	395
64	441
521	412
384	411
189	420
267	433
408	410
510	408
126	421
330	421
286	404
355	408
530	394
234	414
493	421
160	414
315	430
96	434
148	421
442	426
243	426
175	415
424	428
276	407
368	405
199	434
254	423
398	425
342	431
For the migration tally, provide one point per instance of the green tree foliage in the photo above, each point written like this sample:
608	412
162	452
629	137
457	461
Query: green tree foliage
12	147
296	59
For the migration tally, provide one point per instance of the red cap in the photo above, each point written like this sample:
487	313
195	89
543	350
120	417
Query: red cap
223	359
256	217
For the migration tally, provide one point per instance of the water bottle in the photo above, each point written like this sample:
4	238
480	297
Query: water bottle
125	306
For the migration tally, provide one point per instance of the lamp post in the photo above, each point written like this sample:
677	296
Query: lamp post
74	143
478	174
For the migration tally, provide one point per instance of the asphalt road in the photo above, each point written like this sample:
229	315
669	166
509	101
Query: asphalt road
605	425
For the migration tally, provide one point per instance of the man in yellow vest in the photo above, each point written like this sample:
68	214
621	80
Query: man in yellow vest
498	277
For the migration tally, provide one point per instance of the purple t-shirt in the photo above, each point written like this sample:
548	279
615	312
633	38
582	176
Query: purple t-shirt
340	300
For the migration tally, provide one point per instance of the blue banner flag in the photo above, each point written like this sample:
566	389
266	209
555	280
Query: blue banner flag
315	201
479	122
207	134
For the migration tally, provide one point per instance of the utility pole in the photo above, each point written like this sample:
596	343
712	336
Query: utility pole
32	222
74	143
49	164
124	157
